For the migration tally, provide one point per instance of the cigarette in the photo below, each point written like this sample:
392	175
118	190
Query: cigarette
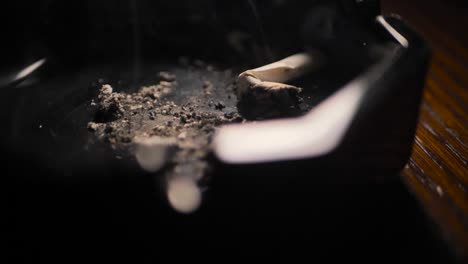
274	76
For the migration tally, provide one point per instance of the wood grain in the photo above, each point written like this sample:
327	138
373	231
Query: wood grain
437	171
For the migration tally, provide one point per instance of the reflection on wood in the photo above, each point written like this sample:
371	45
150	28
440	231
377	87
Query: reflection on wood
437	172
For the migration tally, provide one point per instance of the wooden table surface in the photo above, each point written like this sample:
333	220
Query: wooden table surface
437	171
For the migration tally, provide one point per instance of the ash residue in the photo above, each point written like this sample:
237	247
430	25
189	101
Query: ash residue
271	103
110	107
185	105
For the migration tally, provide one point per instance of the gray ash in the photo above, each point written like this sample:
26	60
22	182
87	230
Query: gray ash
267	104
178	107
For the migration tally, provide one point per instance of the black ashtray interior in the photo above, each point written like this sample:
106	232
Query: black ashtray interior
85	44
